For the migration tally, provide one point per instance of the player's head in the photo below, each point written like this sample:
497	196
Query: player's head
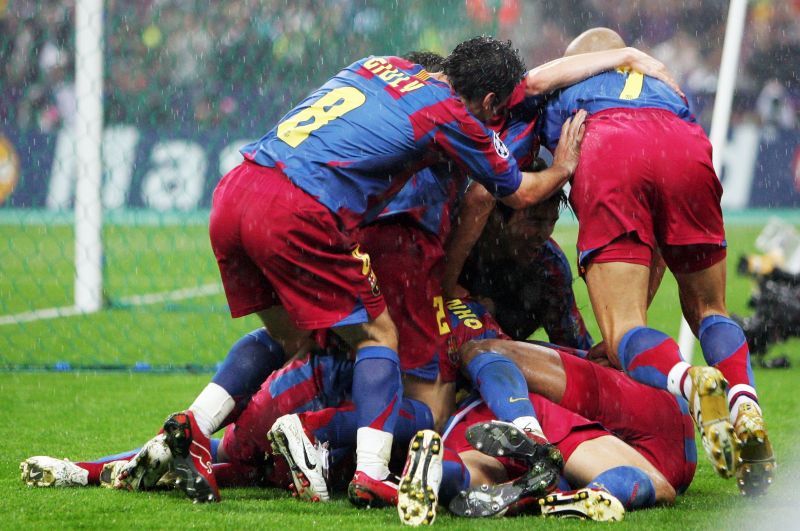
484	71
431	61
527	229
595	40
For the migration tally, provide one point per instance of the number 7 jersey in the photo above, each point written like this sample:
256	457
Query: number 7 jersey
355	141
615	89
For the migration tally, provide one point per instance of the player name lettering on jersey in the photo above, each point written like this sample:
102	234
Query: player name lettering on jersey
392	76
464	313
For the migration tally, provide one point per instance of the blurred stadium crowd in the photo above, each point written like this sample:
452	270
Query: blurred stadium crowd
199	63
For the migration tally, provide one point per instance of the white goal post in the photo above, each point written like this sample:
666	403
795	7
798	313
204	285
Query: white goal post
721	117
88	134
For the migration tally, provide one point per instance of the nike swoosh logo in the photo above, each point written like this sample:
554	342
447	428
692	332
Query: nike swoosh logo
512	400
36	474
309	464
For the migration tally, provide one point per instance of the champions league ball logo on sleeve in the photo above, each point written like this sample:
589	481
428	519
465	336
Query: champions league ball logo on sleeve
499	146
9	168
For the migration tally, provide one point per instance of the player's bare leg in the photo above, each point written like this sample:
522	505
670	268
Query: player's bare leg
619	294
593	458
702	295
439	396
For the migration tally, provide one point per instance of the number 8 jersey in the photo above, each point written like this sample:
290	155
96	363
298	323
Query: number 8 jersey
354	142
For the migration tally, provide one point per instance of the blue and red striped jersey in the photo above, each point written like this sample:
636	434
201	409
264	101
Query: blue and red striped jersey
353	143
614	89
430	196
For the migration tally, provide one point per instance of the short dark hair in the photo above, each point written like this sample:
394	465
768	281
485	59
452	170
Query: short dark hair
482	65
559	198
431	61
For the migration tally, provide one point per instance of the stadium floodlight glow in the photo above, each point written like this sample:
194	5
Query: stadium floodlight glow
721	117
88	136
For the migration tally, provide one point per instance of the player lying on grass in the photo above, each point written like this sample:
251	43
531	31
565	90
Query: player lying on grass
667	465
660	196
654	425
255	347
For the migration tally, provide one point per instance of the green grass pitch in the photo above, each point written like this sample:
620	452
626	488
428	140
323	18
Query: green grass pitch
81	415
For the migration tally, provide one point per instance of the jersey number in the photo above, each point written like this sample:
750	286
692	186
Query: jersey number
441	315
633	86
338	102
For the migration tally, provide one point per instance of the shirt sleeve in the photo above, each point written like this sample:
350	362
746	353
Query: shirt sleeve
522	141
478	150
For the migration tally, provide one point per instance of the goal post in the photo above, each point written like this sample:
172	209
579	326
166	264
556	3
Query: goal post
88	130
720	118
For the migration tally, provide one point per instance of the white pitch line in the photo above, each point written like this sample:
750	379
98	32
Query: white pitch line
36	315
169	296
135	300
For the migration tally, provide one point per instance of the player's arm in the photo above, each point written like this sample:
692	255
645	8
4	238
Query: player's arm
567	71
536	187
476	207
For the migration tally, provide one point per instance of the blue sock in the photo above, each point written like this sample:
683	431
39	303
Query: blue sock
413	416
725	347
248	363
339	428
647	355
502	386
114	457
214	447
630	485
455	477
377	390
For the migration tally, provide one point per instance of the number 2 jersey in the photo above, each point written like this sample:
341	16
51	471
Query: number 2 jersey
354	142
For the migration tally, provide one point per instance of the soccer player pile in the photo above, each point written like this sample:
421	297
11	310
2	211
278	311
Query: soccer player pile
388	233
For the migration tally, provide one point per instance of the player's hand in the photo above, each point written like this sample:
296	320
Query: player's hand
650	66
568	150
454	291
599	354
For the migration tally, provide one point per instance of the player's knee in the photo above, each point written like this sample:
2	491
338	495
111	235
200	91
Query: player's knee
665	493
473	349
382	331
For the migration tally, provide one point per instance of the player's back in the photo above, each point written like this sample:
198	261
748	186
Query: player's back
430	196
353	143
614	89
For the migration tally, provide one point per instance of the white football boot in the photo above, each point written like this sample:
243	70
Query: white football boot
422	475
145	469
306	462
44	471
